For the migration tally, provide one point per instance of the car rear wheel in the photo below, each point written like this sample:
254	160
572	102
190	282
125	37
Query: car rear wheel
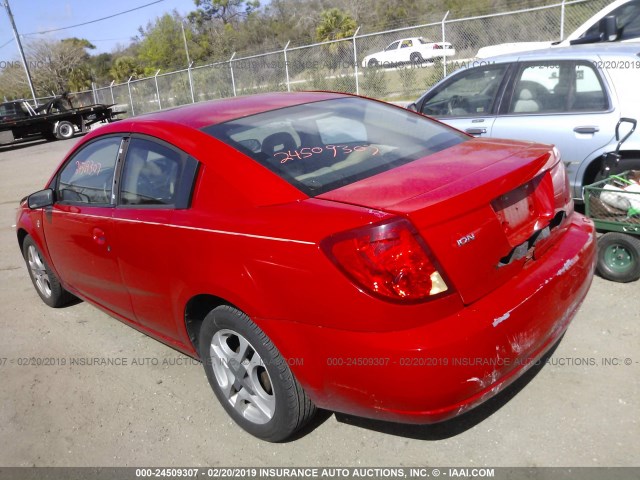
416	58
64	130
619	257
250	378
44	280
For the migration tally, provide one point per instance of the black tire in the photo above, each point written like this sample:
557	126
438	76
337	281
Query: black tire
619	257
624	165
372	63
268	376
64	130
44	280
416	58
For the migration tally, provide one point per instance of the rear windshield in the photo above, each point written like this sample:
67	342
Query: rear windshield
321	146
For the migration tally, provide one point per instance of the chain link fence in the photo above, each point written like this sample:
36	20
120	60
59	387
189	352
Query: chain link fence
340	65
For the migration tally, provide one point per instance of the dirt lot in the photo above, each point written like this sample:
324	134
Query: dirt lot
158	410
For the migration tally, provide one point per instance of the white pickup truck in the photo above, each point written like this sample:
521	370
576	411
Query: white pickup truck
623	27
405	50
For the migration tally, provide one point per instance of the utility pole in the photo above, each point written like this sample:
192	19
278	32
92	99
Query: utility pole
186	49
24	60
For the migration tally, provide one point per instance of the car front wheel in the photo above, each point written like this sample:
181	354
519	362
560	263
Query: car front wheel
44	280
250	378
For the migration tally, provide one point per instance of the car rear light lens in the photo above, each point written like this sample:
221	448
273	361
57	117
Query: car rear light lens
561	186
387	259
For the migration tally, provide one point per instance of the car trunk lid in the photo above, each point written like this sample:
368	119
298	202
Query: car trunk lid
483	217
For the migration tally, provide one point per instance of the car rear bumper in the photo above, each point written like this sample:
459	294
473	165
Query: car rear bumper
445	367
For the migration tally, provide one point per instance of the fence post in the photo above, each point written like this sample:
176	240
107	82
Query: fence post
155	77
355	60
113	100
94	91
286	65
193	98
562	21
233	80
133	112
444	58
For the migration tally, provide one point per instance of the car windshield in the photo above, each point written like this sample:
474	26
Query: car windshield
321	146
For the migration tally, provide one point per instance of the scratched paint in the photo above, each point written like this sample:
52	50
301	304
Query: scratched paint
501	319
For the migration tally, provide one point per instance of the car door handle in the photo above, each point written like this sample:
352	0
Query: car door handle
476	131
586	129
99	236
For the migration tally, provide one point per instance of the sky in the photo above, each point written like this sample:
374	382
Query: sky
40	15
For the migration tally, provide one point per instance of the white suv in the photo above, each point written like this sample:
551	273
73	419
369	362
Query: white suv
625	28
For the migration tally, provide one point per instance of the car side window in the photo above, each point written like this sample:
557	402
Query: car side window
155	174
628	17
469	93
557	87
88	176
406	43
393	46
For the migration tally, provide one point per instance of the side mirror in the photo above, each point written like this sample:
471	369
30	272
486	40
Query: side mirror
607	32
609	28
43	198
413	107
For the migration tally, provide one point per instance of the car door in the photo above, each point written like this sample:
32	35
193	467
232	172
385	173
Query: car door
565	103
78	228
157	180
390	54
405	50
469	99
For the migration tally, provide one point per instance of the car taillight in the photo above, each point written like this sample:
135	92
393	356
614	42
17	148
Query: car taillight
561	187
388	259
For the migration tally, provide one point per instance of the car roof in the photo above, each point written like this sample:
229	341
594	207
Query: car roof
586	51
202	114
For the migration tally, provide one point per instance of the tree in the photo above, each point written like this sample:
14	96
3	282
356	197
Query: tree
13	82
162	44
125	67
58	66
335	24
225	10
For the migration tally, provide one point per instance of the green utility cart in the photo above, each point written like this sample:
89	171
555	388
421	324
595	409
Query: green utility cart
614	206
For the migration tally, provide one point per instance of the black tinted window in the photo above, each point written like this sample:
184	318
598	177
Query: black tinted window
628	19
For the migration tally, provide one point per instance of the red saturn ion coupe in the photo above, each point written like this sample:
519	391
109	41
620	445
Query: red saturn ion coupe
318	250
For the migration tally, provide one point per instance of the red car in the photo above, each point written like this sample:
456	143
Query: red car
318	250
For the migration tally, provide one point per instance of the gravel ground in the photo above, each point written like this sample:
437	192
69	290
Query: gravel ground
158	410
